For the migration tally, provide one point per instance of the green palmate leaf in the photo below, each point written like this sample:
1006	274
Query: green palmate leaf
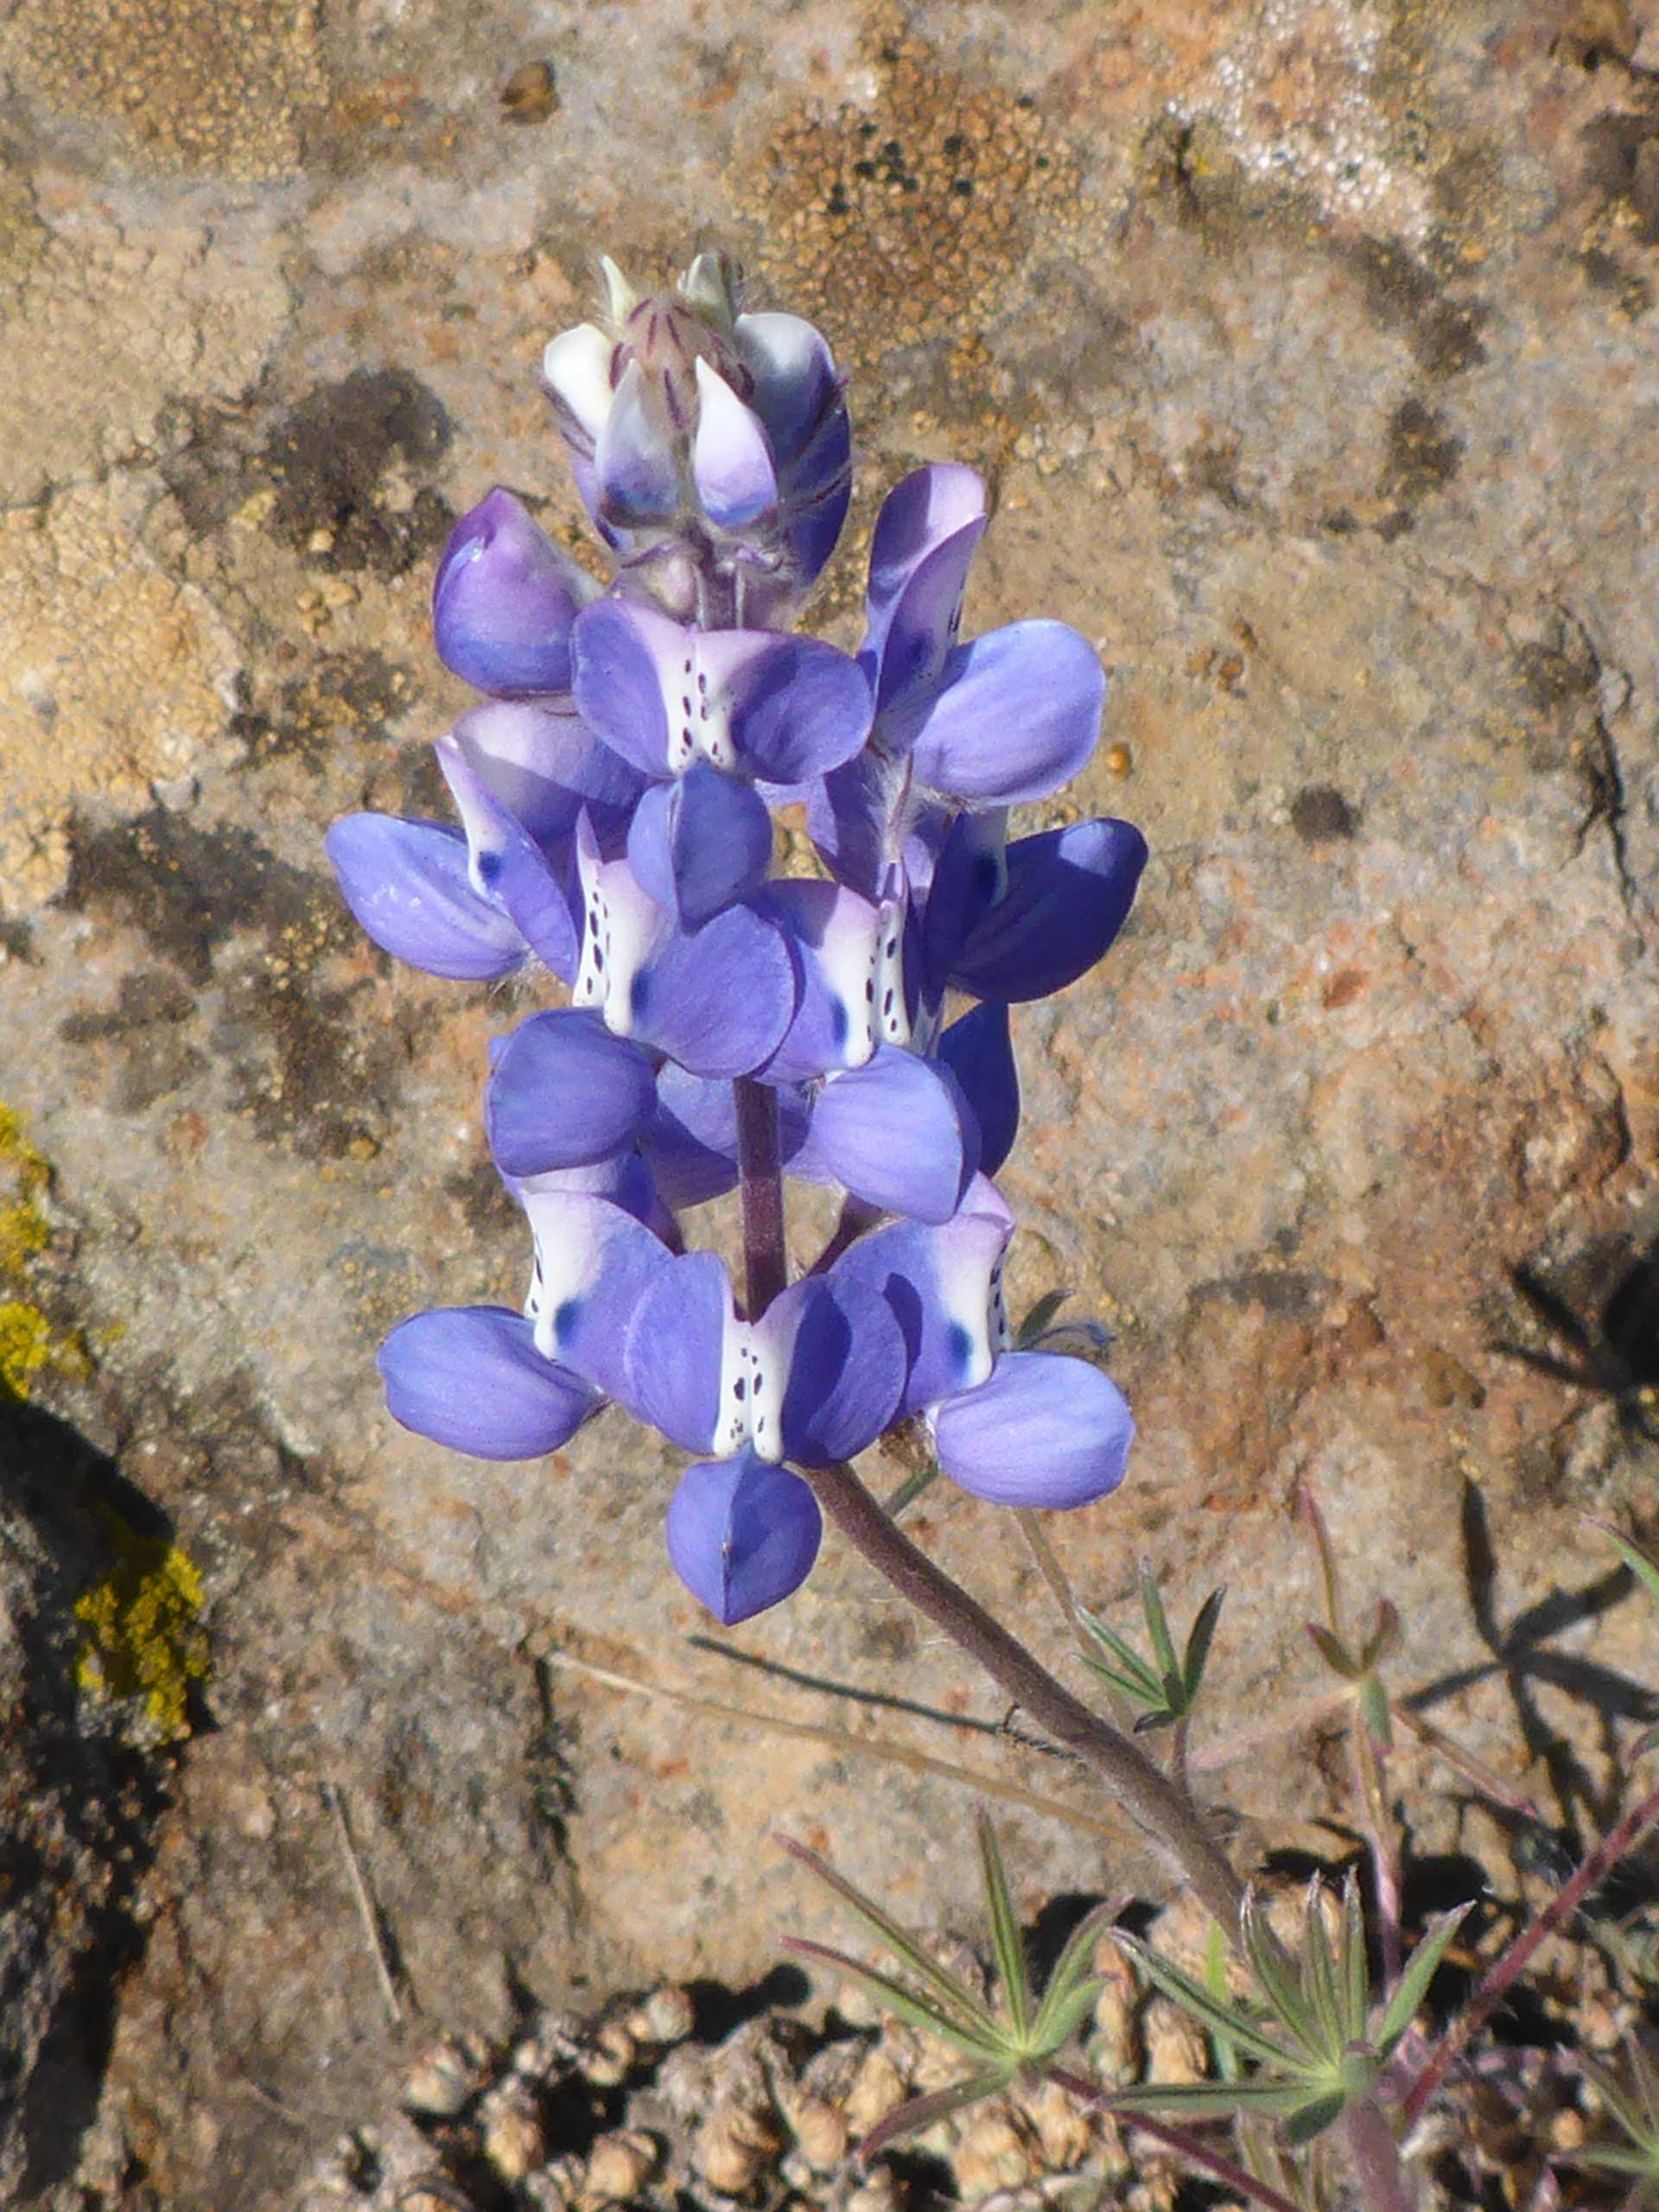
1041	1314
1199	1641
1152	1604
906	1947
1229	2065
1219	2018
1633	2109
1008	1945
986	2041
1320	1981
920	2113
1326	1556
1276	1977
1211	2099
1060	2018
1638	2164
1401	2008
1072	1988
1383	1638
905	1494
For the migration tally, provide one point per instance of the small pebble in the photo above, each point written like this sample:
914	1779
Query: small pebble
821	2131
612	2055
877	2088
992	2153
445	2079
530	94
515	2141
668	2015
619	2165
733	2147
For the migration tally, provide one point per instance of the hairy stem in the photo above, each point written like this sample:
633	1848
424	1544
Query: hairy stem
1384	2185
761	1182
1624	1837
1181	2141
1144	1791
1371	1784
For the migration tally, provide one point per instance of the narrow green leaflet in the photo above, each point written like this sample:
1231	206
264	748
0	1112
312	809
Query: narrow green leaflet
1401	2008
1007	1942
949	2025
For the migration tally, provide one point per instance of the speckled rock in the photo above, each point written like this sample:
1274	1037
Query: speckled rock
1310	349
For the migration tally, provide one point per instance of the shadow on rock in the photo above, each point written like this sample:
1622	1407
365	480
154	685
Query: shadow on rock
78	1799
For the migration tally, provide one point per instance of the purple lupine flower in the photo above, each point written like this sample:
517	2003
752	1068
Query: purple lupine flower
1006	719
615	795
716	712
1020	921
473	905
1021	1428
503	602
711	447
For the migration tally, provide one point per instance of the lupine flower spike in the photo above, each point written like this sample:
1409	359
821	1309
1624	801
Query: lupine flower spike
615	790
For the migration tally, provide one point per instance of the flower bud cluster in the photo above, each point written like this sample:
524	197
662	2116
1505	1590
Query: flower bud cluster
615	790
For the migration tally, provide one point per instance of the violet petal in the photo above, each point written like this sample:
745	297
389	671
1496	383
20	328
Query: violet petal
503	601
1017	715
408	885
470	1377
743	1534
1043	1430
564	1093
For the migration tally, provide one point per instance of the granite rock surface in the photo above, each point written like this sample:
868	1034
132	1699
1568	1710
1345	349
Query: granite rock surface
1309	348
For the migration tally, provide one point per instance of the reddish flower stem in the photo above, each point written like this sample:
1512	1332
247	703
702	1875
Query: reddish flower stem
761	1183
1142	1788
1193	2148
1621	1837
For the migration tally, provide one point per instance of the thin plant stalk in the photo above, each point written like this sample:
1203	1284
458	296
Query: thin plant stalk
1145	1791
882	1749
761	1182
1623	1837
1371	1788
1048	1566
1181	2141
1374	2158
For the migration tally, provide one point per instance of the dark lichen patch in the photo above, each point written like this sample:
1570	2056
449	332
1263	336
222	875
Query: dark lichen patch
147	996
1404	295
1286	1294
298	1066
1558	677
482	1198
1621	169
909	223
347	466
1630	291
189	889
1422	458
345	699
1322	816
155	1058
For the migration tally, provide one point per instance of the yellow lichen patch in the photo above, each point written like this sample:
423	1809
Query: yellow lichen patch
87	607
24	1176
910	218
142	1639
196	83
25	1346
